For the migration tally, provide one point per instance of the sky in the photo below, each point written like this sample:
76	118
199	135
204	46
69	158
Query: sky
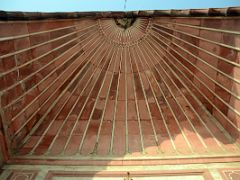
110	5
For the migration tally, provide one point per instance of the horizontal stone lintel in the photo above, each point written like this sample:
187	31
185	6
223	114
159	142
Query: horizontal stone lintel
17	15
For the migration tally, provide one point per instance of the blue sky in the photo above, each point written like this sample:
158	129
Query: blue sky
109	5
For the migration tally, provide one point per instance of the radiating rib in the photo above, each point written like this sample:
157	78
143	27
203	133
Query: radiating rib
89	120
135	33
206	28
98	95
115	105
40	69
115	28
53	104
65	109
116	33
33	34
200	59
86	128
167	128
46	88
46	130
38	45
189	145
76	102
210	132
146	102
179	105
88	62
126	103
116	98
190	81
184	96
201	38
15	134
39	57
197	47
45	54
230	107
106	28
199	117
103	114
82	108
136	104
37	71
234	110
219	57
159	109
51	83
153	92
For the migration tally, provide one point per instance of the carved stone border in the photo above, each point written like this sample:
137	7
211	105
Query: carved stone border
22	174
125	162
230	173
204	173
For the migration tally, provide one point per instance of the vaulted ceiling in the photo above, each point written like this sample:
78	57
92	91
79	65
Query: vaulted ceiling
115	87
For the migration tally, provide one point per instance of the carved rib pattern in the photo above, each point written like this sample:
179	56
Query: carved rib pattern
162	87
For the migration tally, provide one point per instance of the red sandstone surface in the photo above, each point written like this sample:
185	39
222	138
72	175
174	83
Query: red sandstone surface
162	87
